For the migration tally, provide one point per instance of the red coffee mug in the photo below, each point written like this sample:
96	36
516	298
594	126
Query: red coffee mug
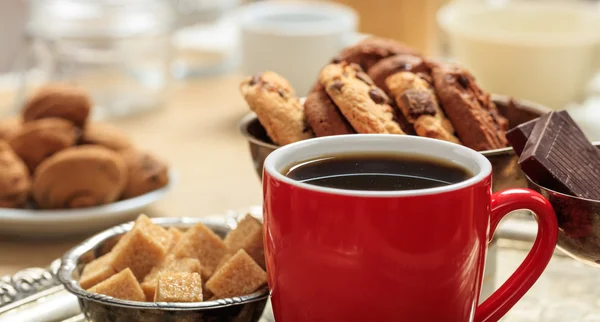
338	255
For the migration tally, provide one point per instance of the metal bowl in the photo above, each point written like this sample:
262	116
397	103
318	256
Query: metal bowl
102	308
578	223
506	171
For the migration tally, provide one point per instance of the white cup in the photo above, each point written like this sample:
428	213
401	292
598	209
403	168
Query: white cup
542	51
294	38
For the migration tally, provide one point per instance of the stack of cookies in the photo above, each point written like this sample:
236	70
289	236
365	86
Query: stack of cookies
53	157
380	86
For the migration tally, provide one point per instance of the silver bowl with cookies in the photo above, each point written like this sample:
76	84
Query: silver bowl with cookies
504	161
380	86
149	270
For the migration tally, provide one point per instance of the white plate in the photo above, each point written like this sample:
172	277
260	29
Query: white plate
64	222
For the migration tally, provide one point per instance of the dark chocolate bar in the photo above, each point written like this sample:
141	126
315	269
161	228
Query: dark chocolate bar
559	156
518	136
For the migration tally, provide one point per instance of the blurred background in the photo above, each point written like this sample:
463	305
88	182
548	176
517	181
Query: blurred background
88	41
126	52
14	15
167	73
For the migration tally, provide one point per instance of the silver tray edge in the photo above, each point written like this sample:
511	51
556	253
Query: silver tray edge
33	284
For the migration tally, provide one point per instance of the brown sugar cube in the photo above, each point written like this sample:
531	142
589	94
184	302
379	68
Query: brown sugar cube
142	248
224	259
138	251
248	235
169	265
179	287
163	236
175	236
202	243
109	244
97	271
122	285
239	276
206	293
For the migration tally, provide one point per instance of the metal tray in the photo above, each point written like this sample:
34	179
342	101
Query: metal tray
566	291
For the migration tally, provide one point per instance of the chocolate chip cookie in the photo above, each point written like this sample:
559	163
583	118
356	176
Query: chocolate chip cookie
63	180
474	115
394	64
39	139
323	116
277	107
369	51
60	101
418	103
15	182
366	107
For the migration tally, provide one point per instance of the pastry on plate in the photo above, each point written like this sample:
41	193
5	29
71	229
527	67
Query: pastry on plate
15	182
10	126
106	135
79	177
39	139
59	100
145	173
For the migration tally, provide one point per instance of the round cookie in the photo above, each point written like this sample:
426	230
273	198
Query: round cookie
15	182
369	51
416	99
145	173
39	139
61	101
106	135
323	116
394	64
317	87
277	107
366	107
471	110
79	177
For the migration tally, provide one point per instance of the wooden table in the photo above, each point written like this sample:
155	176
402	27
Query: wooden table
197	133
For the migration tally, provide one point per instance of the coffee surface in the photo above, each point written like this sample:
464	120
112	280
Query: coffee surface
377	172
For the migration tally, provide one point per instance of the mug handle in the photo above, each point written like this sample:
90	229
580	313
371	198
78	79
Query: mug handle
507	295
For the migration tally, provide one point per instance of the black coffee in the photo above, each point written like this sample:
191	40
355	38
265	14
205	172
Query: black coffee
379	172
